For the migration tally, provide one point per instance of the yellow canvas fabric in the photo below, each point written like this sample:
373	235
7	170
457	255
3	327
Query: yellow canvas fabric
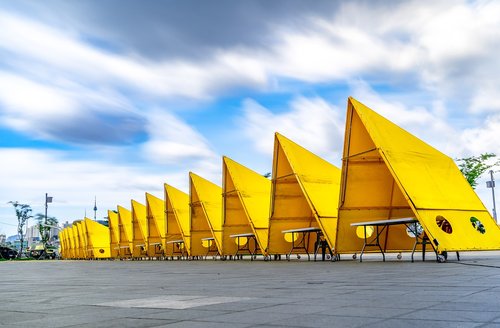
388	173
83	235
125	229
114	234
246	201
71	242
76	239
156	225
305	193
139	229
178	221
206	214
62	238
98	237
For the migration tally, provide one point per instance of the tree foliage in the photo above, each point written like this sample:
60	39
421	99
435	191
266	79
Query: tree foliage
23	213
44	227
474	166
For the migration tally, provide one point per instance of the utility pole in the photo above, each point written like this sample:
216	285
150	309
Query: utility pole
48	200
491	184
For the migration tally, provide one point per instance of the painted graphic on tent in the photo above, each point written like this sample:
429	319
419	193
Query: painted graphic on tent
125	229
246	201
305	190
206	215
156	225
98	239
114	234
388	173
178	222
139	229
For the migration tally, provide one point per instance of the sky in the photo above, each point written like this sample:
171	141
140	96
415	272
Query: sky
110	99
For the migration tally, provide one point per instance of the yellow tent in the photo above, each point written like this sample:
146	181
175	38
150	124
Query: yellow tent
62	239
84	238
156	225
305	193
125	228
114	234
246	200
76	238
98	237
206	218
88	250
388	173
71	242
178	224
139	229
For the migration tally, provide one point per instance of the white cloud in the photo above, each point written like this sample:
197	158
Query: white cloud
172	141
27	175
312	123
483	139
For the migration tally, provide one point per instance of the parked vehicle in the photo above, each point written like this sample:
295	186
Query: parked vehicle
7	252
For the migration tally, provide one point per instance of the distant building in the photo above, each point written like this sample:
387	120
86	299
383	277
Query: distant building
33	235
3	238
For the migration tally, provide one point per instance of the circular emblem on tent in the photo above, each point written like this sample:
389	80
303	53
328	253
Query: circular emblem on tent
101	251
290	237
444	224
360	232
477	224
241	241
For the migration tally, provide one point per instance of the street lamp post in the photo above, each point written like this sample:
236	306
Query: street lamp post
48	199
491	184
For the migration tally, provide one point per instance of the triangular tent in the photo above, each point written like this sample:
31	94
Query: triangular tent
246	200
125	229
88	241
305	193
114	234
71	242
139	229
64	244
156	225
177	220
98	239
76	240
84	238
206	215
388	173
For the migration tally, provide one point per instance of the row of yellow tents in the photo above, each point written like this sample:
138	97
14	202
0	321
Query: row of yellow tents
386	174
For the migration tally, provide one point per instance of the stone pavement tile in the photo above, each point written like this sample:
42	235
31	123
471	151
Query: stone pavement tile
249	317
128	323
83	317
492	306
235	306
491	325
297	308
321	320
186	314
370	312
13	317
458	315
411	323
204	324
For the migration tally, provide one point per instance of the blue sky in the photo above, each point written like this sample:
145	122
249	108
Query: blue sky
112	99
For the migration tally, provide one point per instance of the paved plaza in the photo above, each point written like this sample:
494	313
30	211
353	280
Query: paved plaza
252	293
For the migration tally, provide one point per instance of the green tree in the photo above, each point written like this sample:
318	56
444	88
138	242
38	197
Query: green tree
23	213
474	166
44	227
